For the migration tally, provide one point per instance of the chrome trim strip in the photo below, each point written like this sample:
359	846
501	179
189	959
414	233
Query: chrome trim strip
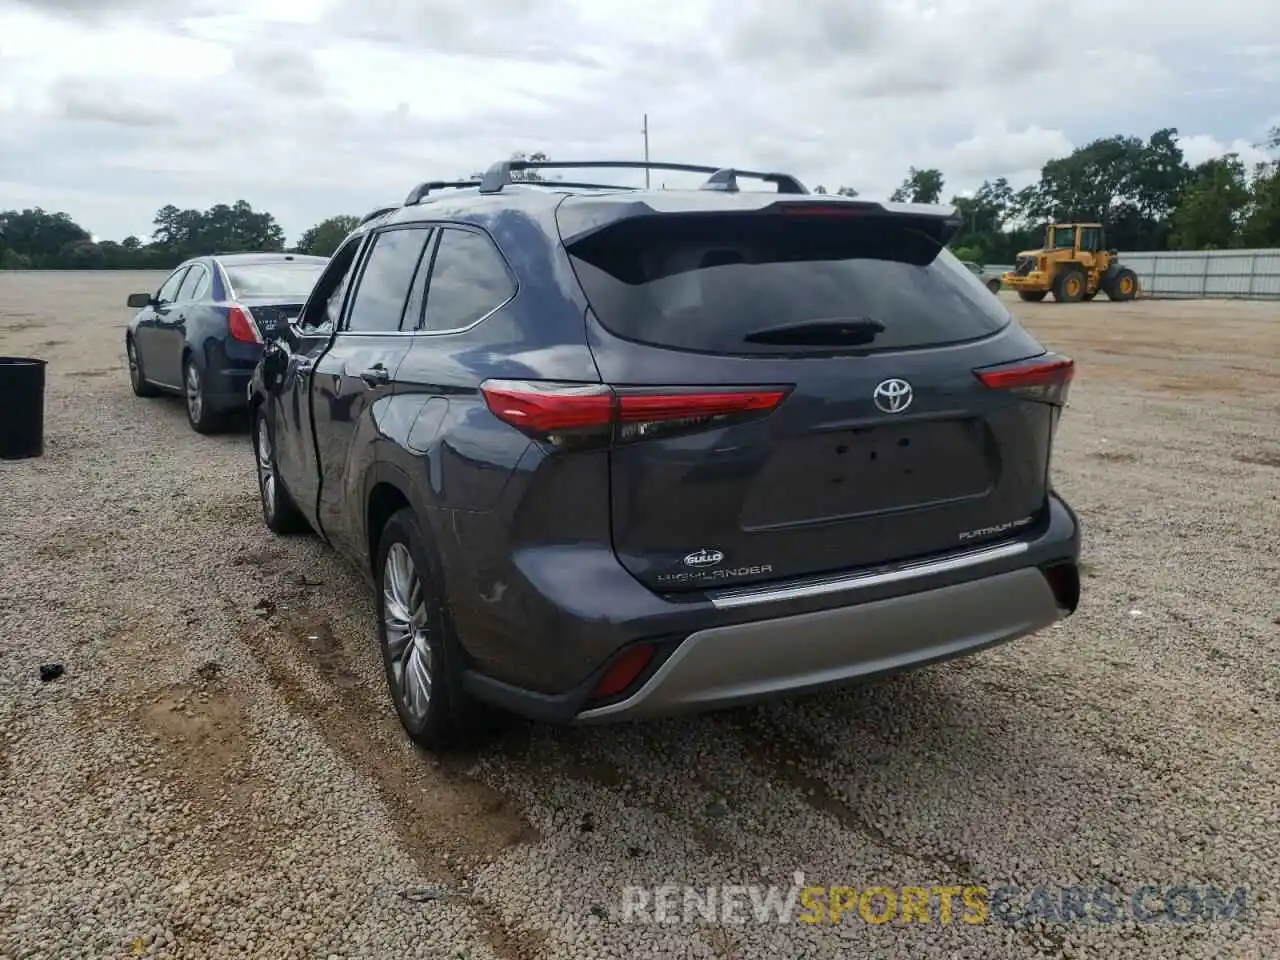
748	596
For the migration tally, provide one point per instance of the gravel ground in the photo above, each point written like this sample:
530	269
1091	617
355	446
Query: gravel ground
219	773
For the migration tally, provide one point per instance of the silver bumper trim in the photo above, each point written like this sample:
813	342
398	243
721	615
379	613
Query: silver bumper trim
745	662
817	587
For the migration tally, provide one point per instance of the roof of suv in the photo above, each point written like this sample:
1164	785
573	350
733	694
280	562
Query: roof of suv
498	189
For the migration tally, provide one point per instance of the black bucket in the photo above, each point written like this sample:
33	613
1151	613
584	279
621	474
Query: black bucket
21	408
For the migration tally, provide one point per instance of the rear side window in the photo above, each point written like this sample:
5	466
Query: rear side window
469	280
706	283
378	304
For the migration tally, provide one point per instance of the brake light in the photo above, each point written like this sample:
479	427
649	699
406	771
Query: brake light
832	208
557	411
241	326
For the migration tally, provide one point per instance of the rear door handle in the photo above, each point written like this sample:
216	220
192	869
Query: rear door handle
377	375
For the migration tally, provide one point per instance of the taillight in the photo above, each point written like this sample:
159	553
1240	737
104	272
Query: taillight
1046	378
241	326
559	412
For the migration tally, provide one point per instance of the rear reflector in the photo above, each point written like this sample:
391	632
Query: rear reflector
545	408
241	326
623	671
1050	370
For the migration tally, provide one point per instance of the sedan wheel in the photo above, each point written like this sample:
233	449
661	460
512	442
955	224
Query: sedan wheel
139	383
195	393
410	655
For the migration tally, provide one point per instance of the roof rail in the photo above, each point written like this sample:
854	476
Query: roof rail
499	174
374	214
422	189
573	185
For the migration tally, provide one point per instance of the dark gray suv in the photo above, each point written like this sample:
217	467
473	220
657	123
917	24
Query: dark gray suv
608	453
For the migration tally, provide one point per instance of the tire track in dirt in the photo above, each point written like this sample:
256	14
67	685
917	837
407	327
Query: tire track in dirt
450	825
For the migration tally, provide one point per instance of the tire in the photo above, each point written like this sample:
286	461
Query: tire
202	417
1033	296
1069	285
279	512
1123	286
142	387
994	286
415	633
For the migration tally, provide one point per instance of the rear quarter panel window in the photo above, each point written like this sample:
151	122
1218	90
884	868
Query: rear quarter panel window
469	280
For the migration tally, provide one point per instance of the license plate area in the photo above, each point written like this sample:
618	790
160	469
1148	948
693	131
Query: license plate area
869	470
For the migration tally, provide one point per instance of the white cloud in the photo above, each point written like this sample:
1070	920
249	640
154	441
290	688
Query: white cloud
111	108
1200	147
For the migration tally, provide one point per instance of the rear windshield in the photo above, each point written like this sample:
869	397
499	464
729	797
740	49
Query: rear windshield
705	283
285	278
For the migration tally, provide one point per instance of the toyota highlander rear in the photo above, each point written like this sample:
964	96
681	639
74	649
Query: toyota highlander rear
827	447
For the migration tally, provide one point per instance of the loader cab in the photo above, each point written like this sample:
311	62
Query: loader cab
1060	237
1081	237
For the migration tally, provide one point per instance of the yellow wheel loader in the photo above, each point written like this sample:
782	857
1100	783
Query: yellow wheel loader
1074	265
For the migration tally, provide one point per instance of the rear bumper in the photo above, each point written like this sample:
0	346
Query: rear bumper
746	662
737	646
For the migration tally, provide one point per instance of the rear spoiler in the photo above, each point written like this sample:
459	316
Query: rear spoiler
581	217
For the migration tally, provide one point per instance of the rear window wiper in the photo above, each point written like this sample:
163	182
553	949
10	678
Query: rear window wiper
835	332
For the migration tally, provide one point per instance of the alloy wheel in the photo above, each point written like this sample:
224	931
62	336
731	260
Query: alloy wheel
409	647
195	402
131	351
266	468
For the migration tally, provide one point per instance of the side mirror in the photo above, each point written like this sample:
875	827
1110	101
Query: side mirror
139	300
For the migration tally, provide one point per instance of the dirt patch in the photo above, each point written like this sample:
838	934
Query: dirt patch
1114	456
21	326
775	750
438	812
203	736
1269	458
96	372
447	822
74	543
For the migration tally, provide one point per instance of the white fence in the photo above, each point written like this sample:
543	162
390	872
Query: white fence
1241	274
1245	274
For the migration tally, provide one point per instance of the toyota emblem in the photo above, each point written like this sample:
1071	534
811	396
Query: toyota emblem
893	395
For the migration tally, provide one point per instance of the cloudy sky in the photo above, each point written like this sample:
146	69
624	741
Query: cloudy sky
111	108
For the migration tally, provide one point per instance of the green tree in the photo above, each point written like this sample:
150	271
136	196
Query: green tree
920	186
1262	224
1212	208
39	236
324	238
